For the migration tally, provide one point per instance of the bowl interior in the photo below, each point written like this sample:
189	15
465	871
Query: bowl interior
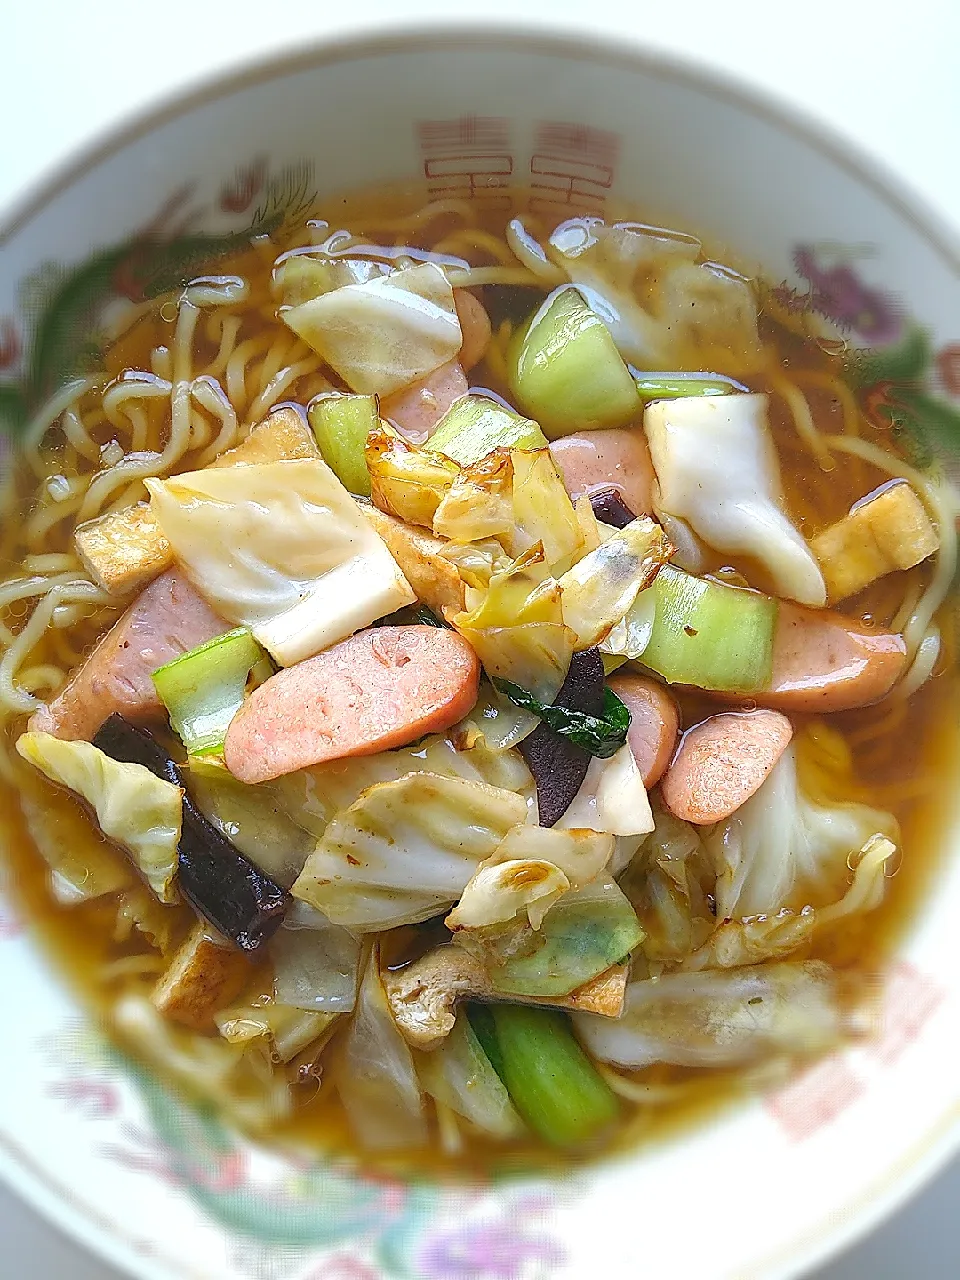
166	1192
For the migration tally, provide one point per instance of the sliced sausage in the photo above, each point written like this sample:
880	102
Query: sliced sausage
474	325
166	620
654	723
417	409
824	662
721	762
618	459
381	688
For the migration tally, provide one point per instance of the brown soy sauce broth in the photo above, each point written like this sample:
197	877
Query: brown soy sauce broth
913	782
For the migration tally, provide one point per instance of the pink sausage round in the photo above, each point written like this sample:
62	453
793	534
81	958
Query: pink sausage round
825	662
474	325
654	723
380	689
721	762
417	409
616	459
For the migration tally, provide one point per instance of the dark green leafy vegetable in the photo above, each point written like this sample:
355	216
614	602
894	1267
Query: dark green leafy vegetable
551	1081
216	879
203	689
601	735
412	615
557	764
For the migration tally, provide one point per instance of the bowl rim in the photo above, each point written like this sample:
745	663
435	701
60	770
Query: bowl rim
887	1190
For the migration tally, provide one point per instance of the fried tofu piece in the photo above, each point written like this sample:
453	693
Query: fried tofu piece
418	553
125	550
424	995
204	975
886	531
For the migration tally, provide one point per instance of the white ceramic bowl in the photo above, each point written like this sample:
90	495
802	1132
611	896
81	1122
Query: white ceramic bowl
765	1190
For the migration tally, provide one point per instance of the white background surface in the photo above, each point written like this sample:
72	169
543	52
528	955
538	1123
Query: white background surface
885	74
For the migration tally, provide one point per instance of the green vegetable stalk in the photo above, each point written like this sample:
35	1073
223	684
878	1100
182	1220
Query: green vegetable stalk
474	426
203	689
553	1084
710	635
566	372
341	424
601	736
671	386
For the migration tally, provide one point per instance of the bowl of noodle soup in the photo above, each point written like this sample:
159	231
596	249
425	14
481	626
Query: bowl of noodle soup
155	315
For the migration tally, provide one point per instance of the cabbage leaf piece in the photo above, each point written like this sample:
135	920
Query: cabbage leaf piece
528	871
612	798
459	1075
383	334
781	849
254	819
138	810
725	1019
405	850
599	591
668	881
664	307
516	627
376	1077
583	934
83	863
316	964
774	935
311	798
717	471
283	549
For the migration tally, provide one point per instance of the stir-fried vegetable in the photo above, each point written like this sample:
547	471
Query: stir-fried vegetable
582	935
204	689
517	628
717	471
405	850
600	589
475	425
141	812
376	1078
710	635
216	879
553	1084
460	1076
405	481
283	549
341	425
783	849
531	868
601	735
612	797
566	372
304	274
719	1019
386	333
316	964
671	386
